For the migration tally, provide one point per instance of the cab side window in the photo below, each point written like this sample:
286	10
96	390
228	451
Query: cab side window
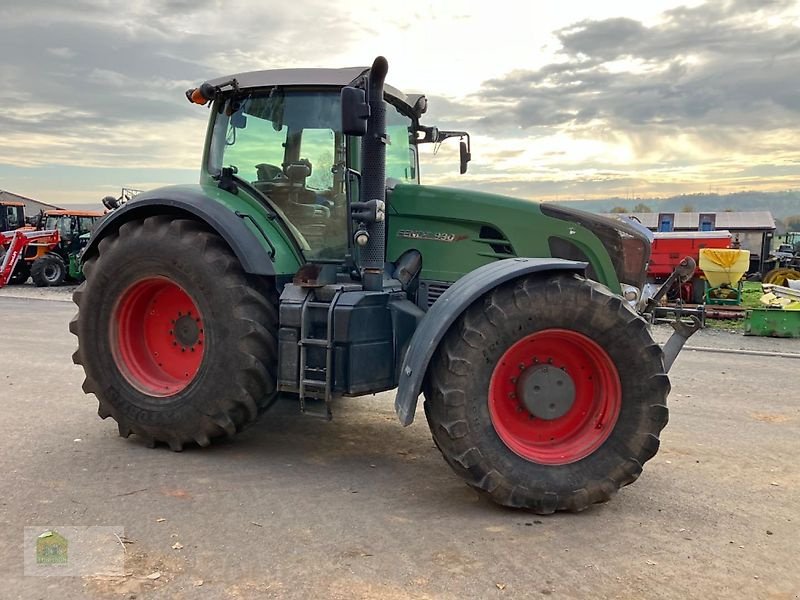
86	224
11	217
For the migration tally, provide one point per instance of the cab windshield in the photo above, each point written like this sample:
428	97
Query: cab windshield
289	146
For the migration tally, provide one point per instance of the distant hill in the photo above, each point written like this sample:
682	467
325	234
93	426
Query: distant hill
780	204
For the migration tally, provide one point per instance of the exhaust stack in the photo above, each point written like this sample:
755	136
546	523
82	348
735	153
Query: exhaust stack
373	176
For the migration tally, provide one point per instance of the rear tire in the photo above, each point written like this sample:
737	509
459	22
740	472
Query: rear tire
48	270
568	331
177	342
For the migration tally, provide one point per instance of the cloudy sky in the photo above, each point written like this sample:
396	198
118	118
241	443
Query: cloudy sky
566	99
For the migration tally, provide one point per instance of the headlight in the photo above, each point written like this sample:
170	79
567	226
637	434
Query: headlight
630	293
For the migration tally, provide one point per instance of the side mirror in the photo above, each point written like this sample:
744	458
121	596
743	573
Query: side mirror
355	111
465	156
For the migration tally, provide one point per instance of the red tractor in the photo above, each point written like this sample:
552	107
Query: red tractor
13	245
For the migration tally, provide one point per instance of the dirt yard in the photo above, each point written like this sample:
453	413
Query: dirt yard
363	508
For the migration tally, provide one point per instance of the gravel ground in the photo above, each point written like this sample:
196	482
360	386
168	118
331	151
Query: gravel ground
30	291
295	507
717	338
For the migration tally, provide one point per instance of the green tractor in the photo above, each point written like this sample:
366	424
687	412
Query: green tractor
310	263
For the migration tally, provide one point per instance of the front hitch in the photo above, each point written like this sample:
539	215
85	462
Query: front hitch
683	331
683	272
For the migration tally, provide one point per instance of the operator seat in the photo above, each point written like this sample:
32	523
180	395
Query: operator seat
296	174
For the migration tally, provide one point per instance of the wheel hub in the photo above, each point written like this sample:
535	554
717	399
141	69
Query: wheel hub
554	396
547	392
159	340
187	330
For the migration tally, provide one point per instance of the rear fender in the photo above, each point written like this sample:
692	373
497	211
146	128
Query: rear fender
448	308
180	202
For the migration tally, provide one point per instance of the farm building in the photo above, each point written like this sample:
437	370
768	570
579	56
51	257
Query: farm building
32	207
753	230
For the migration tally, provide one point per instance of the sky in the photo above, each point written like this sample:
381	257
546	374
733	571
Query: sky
564	99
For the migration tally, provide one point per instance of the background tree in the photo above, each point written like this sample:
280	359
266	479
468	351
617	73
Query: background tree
619	209
792	223
688	208
642	208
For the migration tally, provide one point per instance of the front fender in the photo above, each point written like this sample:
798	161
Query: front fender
448	308
181	201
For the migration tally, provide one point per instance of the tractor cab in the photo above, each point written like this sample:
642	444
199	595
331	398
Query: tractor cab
71	226
12	215
280	133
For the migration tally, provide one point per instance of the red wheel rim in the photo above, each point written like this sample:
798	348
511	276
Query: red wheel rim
158	337
585	423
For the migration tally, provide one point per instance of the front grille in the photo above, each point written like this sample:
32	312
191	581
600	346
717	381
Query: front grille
430	291
497	241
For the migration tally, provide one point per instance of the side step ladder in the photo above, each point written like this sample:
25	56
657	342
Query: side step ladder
321	386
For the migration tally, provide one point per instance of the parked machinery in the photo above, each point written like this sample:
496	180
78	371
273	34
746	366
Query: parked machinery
57	263
13	244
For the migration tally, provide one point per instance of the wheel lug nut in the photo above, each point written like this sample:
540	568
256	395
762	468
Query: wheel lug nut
521	366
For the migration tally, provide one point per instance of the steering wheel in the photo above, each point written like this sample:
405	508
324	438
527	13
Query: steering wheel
268	172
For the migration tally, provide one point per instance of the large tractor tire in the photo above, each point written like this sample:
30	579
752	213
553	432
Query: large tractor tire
21	273
48	270
548	394
177	342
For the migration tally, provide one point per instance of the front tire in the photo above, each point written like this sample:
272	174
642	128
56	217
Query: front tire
177	342
48	270
548	394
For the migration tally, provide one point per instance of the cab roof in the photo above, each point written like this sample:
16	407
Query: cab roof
337	78
11	203
74	213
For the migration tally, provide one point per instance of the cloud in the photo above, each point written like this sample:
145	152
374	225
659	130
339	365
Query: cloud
702	92
101	83
716	83
699	68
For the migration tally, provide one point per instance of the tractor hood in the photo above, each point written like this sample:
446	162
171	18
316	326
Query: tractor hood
503	227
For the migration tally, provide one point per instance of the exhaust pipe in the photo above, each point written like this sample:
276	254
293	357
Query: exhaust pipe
373	176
